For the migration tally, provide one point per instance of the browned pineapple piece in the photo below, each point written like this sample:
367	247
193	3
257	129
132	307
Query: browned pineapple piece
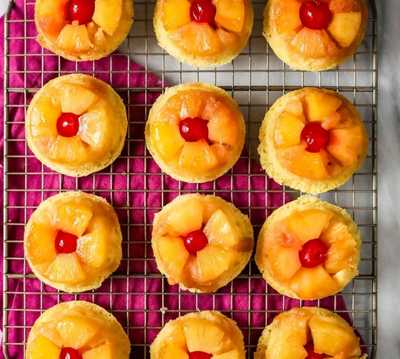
44	117
340	255
69	150
92	247
104	351
221	231
168	140
223	126
336	231
76	99
107	15
176	14
222	152
76	332
288	130
285	262
72	217
198	156
41	245
51	16
344	5
314	43
320	105
74	38
192	104
287	16
345	27
228	39
66	268
230	14
43	348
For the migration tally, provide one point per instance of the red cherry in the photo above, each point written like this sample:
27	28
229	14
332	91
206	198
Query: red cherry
315	136
199	355
80	10
195	241
68	125
313	253
203	11
193	129
315	14
312	354
66	242
70	353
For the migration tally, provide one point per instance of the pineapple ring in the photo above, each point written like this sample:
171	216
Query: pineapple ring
315	50
95	224
208	331
199	44
331	335
109	27
283	154
195	162
80	325
102	130
283	235
230	242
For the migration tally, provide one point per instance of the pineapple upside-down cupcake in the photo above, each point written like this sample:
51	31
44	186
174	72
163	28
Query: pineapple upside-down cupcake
308	249
312	140
201	242
309	333
77	330
195	132
315	35
73	241
201	335
83	29
203	33
76	125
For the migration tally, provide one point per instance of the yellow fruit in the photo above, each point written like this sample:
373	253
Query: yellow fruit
198	156
74	38
192	104
287	16
92	249
340	255
72	218
233	354
66	268
102	352
336	231
223	126
171	351
285	262
94	129
43	348
221	231
176	14
167	139
51	17
76	332
41	245
228	39
107	15
76	99
68	150
230	14
288	130
314	43
344	5
44	117
320	105
345	27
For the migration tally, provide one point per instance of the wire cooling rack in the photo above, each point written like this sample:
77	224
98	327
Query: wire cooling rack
137	294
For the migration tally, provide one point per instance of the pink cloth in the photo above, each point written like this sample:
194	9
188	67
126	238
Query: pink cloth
136	301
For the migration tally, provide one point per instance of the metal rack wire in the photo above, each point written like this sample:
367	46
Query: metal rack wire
137	294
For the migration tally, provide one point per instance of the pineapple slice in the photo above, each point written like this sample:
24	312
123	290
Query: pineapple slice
287	17
76	99
233	354
312	283
340	255
221	231
228	39
173	254
167	139
103	351
203	335
288	130
230	14
92	248
66	268
223	127
41	243
192	104
76	332
198	156
320	105
345	27
171	351
107	15
94	129
176	14
43	348
285	262
51	17
314	43
74	38
44	117
336	231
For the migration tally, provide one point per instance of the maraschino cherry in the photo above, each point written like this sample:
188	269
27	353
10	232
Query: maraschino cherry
315	137
311	354
313	253
195	241
193	129
70	353
199	355
203	11
80	10
68	125
315	14
66	242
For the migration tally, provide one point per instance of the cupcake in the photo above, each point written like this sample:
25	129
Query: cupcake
308	249
76	125
315	35
312	140
77	330
202	335
203	33
309	333
201	242
195	132
73	241
83	29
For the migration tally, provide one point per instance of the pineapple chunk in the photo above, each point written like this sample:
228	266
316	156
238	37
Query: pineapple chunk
345	27
221	231
344	6
76	99
74	38
101	352
285	262
287	16
171	351
332	337
94	129
314	43
44	117
320	105
167	139
72	218
233	354
66	268
288	130
340	255
76	332
107	15
176	14
68	150
222	152
40	243
313	283
198	157
173	254
308	224
92	249
43	348
230	14
228	39
336	231
223	126
203	335
192	104
51	16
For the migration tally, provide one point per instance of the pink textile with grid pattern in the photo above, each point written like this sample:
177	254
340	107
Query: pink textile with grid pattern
136	301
